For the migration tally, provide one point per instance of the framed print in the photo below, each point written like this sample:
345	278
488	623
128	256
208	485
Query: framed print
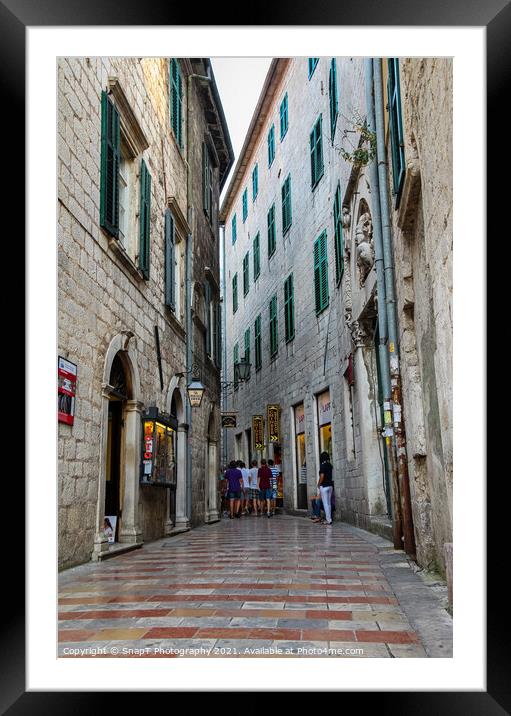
135	181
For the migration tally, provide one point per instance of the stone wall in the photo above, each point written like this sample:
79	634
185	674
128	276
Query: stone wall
100	296
422	230
318	356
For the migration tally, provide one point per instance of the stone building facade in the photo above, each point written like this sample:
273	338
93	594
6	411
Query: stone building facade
309	375
334	377
423	241
129	217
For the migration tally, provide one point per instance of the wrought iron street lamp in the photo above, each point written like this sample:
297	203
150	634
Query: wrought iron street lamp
242	370
195	392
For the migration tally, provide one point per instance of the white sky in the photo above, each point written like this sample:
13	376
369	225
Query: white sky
239	81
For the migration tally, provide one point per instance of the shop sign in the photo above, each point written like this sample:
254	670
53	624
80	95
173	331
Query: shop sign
67	372
258	431
299	419
228	420
324	408
274	423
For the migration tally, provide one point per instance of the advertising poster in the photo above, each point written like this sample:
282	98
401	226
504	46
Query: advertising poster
258	431
66	391
109	526
274	423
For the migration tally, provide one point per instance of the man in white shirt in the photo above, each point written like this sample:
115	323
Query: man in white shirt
246	487
254	488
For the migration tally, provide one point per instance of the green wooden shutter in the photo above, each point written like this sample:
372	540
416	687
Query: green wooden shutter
313	61
289	308
247	345
271	145
321	272
207	307
271	231
235	293
145	220
396	128
245	205
316	151
257	258
286	205
283	118
236	359
339	240
233	229
334	102
274	342
206	180
246	281
110	160
176	101
257	342
169	260
218	330
255	182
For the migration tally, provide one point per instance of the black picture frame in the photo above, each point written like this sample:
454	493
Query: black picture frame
15	16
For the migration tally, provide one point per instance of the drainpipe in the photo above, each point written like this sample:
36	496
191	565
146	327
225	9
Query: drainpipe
224	347
382	314
189	280
395	373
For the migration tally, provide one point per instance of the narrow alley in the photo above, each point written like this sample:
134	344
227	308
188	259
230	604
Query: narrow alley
254	587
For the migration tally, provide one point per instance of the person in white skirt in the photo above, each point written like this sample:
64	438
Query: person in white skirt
326	485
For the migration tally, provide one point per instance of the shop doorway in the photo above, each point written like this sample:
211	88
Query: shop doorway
300	457
114	462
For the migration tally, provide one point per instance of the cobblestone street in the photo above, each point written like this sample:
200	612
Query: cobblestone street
254	587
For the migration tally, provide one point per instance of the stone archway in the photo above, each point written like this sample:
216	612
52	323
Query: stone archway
176	401
211	487
120	351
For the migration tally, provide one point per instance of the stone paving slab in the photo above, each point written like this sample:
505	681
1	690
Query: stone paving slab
287	588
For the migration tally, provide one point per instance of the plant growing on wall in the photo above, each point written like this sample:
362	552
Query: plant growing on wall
362	152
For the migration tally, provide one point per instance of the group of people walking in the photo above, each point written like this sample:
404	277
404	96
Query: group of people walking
251	490
254	490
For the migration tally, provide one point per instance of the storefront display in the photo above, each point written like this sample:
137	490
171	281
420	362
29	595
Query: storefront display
158	449
325	422
301	458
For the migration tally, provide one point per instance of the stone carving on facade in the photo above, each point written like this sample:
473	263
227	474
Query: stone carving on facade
361	333
365	246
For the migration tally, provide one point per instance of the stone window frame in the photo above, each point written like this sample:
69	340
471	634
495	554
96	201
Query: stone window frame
133	143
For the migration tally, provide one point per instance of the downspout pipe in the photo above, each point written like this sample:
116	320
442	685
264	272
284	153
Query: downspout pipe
390	304
224	347
382	313
189	281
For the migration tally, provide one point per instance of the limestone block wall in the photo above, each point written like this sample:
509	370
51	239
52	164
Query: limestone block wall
423	258
317	357
98	296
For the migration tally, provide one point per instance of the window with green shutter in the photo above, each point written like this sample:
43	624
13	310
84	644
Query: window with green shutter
246	276
209	326
272	237
283	118
145	220
176	101
217	335
207	181
334	99
289	308
236	359
247	346
316	151
313	61
274	335
257	343
110	160
257	257
286	205
170	243
255	182
396	128
233	229
339	240
271	145
235	293
321	273
245	205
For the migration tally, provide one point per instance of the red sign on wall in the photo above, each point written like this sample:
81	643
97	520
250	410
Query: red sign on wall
66	391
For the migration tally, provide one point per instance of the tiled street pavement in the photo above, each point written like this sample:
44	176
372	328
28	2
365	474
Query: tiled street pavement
254	587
